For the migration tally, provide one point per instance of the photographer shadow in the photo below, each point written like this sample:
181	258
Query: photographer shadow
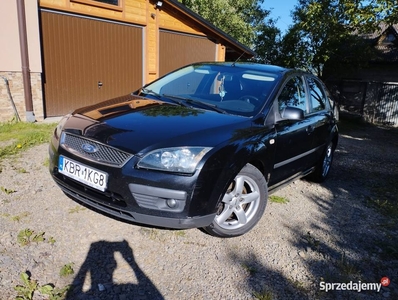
96	278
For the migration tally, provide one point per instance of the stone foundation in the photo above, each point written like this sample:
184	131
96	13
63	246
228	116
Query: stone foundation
15	83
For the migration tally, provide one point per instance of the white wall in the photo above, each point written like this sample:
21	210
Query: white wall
10	54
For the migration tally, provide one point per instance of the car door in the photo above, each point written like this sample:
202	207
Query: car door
294	137
320	114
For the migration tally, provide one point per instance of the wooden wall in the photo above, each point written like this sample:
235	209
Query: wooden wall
140	12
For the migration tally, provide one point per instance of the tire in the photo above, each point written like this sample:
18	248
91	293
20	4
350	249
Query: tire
336	113
322	168
242	206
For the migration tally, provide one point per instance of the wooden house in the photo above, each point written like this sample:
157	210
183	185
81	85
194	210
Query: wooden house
80	52
371	91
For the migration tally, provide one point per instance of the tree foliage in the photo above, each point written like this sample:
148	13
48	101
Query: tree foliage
244	20
324	32
268	43
327	32
293	49
372	13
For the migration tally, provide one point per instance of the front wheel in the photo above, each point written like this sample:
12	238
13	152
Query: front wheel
242	205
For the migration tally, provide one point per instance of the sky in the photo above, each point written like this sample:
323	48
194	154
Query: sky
281	9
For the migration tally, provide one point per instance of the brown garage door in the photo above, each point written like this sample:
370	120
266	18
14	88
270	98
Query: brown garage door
88	60
177	50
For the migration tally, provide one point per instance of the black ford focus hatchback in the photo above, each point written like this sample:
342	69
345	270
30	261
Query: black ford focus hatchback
202	146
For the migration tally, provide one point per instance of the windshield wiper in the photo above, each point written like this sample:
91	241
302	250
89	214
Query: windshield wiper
176	99
149	92
189	100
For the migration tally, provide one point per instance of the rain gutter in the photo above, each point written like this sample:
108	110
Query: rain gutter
23	41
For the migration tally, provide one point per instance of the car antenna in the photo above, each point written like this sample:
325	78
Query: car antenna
233	64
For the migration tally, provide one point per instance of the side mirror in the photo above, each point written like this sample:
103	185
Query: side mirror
292	113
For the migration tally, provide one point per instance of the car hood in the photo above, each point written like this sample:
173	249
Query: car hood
135	124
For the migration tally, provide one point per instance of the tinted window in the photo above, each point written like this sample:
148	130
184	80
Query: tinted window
293	94
317	95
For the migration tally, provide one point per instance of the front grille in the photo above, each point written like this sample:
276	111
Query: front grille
104	154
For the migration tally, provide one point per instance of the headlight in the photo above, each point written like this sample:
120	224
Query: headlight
60	126
178	159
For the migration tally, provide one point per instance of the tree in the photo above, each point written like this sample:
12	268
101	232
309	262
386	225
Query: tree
293	50
244	20
327	32
267	44
319	28
373	13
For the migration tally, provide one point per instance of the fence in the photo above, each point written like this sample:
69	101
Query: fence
376	102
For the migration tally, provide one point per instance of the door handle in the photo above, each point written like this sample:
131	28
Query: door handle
99	84
310	129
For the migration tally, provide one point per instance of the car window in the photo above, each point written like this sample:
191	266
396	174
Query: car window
317	95
238	85
184	85
293	94
233	90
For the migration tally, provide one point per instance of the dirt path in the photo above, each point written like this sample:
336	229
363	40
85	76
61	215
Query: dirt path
339	232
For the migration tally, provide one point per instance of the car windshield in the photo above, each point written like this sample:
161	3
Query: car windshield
218	87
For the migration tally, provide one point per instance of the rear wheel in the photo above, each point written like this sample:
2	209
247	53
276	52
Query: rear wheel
242	205
322	169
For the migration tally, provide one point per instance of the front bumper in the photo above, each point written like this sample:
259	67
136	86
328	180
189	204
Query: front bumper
140	196
159	221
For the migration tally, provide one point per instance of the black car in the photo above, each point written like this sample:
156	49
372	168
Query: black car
202	146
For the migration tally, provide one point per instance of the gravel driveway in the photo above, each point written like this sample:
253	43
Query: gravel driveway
342	231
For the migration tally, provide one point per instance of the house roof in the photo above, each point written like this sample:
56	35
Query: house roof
385	42
379	32
232	44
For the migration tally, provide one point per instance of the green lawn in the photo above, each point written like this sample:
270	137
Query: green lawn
17	137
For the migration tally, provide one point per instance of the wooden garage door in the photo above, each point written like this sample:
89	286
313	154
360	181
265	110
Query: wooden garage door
177	50
88	60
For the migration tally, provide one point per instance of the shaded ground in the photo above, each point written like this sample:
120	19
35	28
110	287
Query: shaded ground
344	230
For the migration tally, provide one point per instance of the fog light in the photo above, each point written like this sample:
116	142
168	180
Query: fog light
171	203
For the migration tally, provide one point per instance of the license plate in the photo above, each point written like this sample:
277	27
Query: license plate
82	173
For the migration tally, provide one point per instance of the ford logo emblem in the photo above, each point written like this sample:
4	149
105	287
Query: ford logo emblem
89	148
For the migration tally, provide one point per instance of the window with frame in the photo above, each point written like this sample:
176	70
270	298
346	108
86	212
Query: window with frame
317	95
293	95
110	4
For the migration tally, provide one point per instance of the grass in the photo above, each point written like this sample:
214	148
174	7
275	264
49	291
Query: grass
180	233
387	207
29	289
27	236
278	199
263	295
385	201
250	269
66	270
16	218
17	137
76	209
347	268
384	198
7	190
